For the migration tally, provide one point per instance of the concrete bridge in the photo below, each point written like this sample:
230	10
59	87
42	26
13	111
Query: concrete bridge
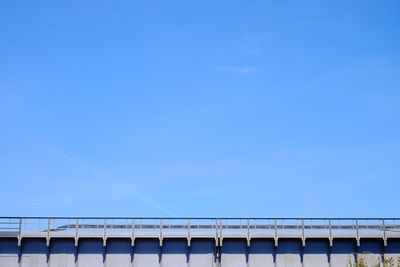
199	242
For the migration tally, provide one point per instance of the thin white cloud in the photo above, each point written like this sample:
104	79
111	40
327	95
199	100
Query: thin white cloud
239	69
70	158
205	192
95	171
156	205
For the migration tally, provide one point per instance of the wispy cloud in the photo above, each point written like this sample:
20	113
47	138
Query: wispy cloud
253	45
70	158
95	171
239	69
205	192
156	205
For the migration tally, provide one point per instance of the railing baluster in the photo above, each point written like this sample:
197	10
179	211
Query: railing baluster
220	232
105	232
188	233
20	232
133	233
303	238
276	233
76	232
161	232
357	234
384	232
330	233
248	232
48	232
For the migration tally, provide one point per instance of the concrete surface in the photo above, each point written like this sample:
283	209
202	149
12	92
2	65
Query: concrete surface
175	252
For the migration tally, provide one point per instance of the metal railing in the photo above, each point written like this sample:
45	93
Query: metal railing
120	224
213	227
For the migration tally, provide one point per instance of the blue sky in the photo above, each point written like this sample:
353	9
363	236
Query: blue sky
200	108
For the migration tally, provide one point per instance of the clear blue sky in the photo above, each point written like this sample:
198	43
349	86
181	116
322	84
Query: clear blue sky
200	108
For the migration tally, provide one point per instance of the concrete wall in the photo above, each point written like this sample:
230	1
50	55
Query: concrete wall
119	252
62	253
203	253
234	253
316	253
262	253
90	252
289	253
392	253
9	252
147	252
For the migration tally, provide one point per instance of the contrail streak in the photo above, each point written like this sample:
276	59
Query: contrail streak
70	158
95	171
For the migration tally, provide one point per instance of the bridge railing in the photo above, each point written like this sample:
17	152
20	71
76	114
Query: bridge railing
217	226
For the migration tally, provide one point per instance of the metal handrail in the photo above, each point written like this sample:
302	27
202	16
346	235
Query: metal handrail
220	227
205	218
107	223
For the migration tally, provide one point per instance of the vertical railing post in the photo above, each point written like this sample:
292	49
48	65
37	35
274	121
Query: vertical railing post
219	249
357	234
20	232
303	238
188	233
161	233
384	232
133	233
330	233
48	232
220	233
105	232
248	232
216	233
276	233
76	232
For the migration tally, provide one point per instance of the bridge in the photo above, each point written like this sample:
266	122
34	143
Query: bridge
198	242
